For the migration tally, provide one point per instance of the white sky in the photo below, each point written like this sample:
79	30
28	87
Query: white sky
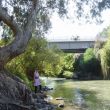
66	29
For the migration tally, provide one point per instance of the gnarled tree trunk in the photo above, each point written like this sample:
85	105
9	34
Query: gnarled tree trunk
22	35
14	94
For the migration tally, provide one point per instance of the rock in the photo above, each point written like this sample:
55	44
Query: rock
13	91
45	88
39	105
61	105
48	98
34	95
15	95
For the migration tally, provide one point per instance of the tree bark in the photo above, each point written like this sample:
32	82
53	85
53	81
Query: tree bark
22	36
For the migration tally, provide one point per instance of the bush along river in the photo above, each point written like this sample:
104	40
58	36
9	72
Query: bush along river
79	95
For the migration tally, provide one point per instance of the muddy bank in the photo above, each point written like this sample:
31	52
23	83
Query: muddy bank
15	95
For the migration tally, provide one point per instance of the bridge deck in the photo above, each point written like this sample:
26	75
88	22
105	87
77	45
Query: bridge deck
72	46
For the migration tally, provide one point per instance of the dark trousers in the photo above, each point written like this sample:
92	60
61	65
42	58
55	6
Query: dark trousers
38	88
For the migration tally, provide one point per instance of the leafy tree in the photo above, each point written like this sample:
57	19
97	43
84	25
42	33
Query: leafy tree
68	61
78	60
48	61
68	74
66	64
87	65
105	60
103	52
89	54
25	16
91	63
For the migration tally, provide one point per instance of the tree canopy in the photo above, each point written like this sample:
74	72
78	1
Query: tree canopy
91	9
19	12
25	17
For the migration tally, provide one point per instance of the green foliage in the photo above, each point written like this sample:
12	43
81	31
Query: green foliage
88	55
77	61
19	10
87	65
105	60
53	65
68	74
68	61
48	61
91	63
16	67
104	53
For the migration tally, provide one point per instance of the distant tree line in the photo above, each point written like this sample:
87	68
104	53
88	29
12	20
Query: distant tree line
95	62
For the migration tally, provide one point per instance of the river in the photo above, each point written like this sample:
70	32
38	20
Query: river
80	95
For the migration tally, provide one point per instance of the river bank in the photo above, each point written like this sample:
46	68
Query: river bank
15	95
76	95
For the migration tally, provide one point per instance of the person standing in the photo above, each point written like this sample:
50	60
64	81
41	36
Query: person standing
37	82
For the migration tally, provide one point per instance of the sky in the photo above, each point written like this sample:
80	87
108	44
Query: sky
65	29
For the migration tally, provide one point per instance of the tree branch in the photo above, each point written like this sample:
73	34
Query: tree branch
32	16
4	16
21	37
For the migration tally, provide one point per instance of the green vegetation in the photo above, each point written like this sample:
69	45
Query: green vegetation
67	65
105	60
68	74
91	63
37	55
87	66
21	53
50	62
53	62
95	62
104	55
19	29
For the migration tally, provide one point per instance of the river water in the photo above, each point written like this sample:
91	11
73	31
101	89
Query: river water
79	95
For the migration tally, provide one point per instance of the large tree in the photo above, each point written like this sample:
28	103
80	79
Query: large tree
25	16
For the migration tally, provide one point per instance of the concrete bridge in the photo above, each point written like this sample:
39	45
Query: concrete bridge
72	46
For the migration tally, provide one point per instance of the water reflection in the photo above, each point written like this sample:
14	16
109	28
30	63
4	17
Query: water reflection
79	95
